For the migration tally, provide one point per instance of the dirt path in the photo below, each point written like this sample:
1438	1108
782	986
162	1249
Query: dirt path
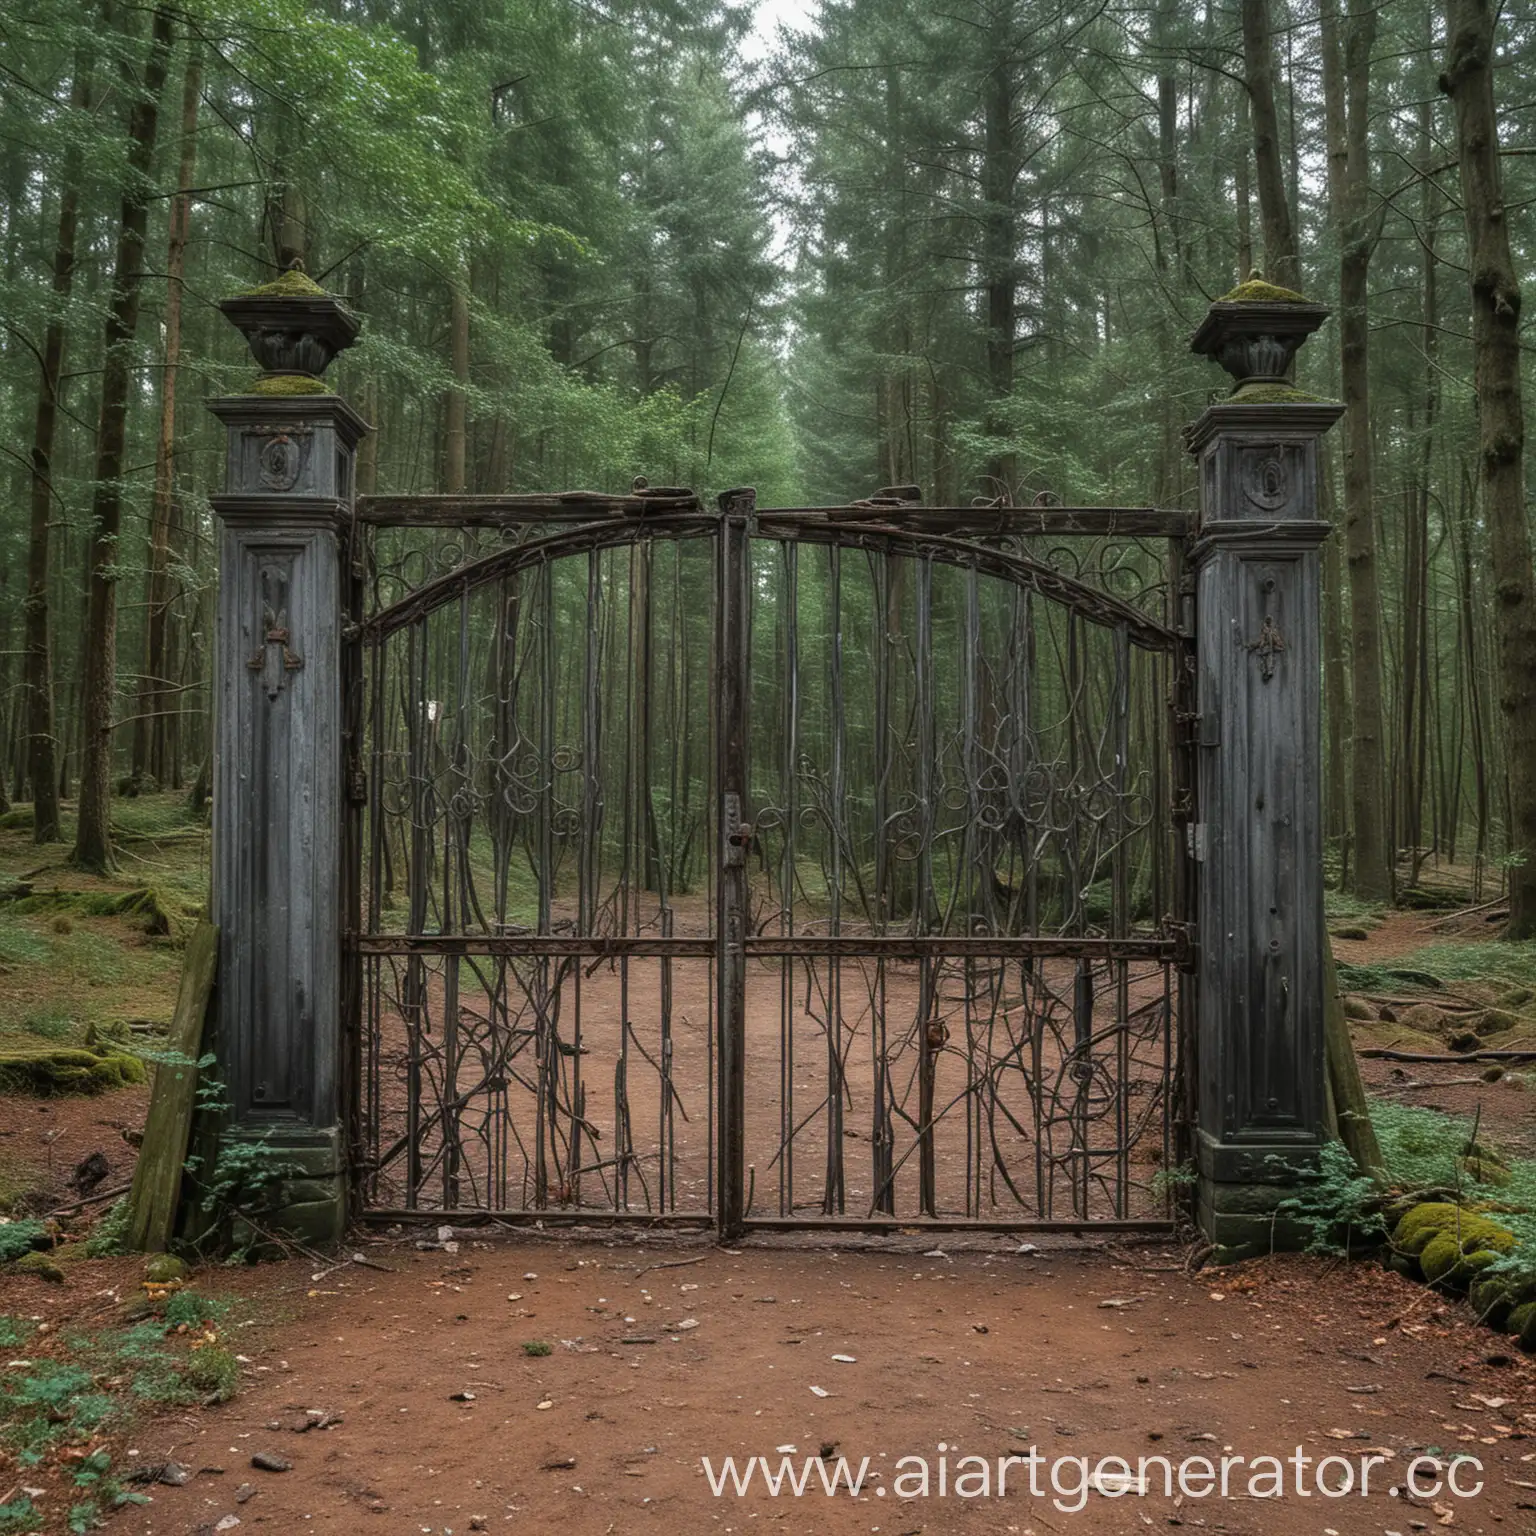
985	1351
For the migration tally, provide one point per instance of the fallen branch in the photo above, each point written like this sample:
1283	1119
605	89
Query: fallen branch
1454	1059
96	1199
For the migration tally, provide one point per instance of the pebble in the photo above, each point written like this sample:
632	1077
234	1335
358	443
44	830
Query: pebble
270	1461
243	1492
228	1523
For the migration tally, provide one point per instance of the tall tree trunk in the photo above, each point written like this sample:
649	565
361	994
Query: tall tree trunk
93	837
456	401
1241	189
1335	684
42	759
151	732
1000	169
1468	79
1280	260
1346	90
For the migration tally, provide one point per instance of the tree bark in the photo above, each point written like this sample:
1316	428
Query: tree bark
93	837
456	401
1280	261
1468	80
1346	91
42	760
151	733
1000	168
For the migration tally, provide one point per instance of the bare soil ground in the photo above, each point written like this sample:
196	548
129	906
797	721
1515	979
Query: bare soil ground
665	1353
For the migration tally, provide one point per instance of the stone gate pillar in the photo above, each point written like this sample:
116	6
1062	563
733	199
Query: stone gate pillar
1259	1057
278	747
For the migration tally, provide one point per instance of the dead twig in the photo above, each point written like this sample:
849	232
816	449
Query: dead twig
96	1199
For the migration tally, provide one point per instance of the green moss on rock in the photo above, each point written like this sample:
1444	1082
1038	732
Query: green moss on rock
1519	1316
67	1069
1257	291
292	284
286	385
1494	1297
1452	1244
40	1266
163	1268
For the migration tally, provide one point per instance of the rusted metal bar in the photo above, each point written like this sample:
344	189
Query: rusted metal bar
900	1225
893	946
993	522
511	511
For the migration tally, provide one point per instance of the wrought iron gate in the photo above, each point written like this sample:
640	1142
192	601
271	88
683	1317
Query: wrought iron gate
767	868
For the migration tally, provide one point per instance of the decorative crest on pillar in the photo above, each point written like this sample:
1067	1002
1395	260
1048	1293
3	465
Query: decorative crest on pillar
1254	332
294	329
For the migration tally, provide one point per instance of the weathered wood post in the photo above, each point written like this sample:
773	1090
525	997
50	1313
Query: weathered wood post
278	746
1260	1089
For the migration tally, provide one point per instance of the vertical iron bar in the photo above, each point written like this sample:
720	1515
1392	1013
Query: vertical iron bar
731	649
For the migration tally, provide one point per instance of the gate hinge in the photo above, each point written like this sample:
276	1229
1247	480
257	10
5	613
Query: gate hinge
1183	936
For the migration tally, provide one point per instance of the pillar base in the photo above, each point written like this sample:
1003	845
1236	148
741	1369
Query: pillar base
309	1202
1243	1185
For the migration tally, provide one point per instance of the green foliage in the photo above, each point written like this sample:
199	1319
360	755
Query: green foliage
1338	1208
1501	961
19	1514
19	1237
214	1371
1422	1148
109	1236
187	1307
537	1348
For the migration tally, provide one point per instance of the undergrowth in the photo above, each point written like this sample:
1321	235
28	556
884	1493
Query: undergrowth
80	1385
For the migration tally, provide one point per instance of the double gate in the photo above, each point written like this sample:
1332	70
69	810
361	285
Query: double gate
768	868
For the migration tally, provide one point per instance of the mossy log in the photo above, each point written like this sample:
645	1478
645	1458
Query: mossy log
47	1071
144	902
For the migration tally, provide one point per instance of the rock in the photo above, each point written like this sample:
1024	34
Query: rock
245	1492
1350	931
1387	1014
1528	1331
1424	1017
1494	1021
270	1461
1451	1243
174	1475
461	1397
1358	1009
163	1268
40	1266
228	1523
1464	1040
89	1172
377	1507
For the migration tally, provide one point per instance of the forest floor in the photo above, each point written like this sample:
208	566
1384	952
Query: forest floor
576	1383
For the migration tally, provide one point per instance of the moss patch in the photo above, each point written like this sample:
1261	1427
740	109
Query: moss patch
1257	291
286	385
1275	394
291	284
67	1070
